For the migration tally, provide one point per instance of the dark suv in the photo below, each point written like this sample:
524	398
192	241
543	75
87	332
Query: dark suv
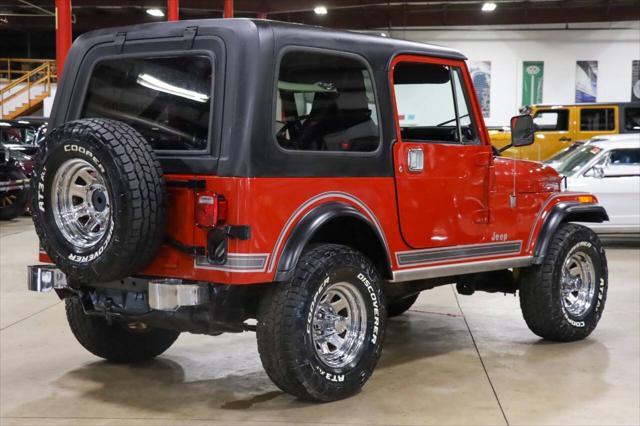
230	175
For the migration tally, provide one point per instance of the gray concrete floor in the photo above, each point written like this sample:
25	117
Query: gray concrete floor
450	360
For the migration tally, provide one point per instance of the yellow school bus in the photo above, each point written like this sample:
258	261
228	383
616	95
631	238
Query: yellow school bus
559	126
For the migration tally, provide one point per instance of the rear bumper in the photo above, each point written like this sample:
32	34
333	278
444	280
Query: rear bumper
162	295
44	278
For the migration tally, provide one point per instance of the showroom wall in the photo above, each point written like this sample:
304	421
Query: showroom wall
614	46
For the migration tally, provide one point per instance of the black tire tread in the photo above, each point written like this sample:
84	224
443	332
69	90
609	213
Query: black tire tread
279	311
400	306
114	342
543	317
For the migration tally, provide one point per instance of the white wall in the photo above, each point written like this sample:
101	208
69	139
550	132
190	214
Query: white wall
614	48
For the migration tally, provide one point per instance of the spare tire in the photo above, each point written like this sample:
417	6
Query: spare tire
99	200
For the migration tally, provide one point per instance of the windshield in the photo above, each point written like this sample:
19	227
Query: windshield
576	160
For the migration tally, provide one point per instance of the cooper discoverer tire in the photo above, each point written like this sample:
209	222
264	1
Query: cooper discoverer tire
320	334
114	342
99	200
400	306
563	298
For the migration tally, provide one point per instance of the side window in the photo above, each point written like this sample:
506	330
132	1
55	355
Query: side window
597	119
625	157
167	99
425	102
632	119
325	102
551	120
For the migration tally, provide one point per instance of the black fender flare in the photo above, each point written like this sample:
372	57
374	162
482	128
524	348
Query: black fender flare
565	212
311	223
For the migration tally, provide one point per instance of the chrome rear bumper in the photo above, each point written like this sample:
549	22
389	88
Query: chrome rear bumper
163	295
44	278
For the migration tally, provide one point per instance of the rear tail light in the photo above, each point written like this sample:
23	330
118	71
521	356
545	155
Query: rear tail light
211	209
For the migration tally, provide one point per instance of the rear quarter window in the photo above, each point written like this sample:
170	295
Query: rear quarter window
597	119
167	99
632	119
325	102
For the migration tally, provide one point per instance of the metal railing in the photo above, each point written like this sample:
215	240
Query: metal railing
34	77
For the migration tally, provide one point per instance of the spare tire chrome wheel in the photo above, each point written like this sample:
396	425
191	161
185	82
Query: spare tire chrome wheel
99	200
81	203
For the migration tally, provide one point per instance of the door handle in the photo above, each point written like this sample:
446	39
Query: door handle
565	139
415	159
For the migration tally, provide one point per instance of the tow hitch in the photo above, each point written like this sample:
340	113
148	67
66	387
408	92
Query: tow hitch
44	278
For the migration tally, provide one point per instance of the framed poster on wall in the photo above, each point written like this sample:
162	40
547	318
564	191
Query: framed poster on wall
532	81
586	81
635	80
481	75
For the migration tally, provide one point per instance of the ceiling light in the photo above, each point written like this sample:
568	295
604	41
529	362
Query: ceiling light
320	10
155	12
154	83
489	6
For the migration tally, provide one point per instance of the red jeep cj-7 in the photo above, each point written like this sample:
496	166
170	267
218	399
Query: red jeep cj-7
229	175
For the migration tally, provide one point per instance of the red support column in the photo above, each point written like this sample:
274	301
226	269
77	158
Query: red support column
228	9
63	33
173	10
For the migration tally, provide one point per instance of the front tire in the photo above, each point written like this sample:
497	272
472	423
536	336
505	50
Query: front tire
115	342
320	334
400	306
563	299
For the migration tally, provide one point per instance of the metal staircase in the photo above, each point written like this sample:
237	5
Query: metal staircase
24	85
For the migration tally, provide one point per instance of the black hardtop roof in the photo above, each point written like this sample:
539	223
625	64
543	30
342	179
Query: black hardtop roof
244	27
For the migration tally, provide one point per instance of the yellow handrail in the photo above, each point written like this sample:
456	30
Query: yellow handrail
9	71
24	78
43	76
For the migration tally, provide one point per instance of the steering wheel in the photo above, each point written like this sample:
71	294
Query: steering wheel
293	127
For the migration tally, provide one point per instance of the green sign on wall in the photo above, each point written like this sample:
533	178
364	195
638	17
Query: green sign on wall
532	77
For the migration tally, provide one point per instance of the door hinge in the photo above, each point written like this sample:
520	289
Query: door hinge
118	41
189	36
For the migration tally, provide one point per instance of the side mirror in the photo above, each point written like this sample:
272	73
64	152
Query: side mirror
598	172
522	130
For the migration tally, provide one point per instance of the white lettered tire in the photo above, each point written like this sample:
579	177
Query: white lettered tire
563	298
320	334
98	200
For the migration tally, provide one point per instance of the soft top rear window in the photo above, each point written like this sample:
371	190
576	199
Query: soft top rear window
167	99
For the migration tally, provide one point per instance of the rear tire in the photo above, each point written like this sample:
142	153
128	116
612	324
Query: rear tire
320	334
563	299
400	306
115	342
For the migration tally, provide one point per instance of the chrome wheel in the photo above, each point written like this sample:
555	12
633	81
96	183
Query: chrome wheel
80	203
8	199
339	325
578	284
